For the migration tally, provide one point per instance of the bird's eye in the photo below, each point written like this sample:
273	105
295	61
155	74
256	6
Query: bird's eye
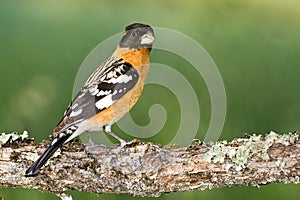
134	34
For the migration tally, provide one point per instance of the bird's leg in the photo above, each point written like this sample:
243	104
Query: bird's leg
91	142
90	139
107	129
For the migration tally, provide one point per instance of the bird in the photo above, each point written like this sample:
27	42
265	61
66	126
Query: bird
107	95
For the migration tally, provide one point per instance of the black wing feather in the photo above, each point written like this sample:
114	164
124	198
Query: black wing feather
87	97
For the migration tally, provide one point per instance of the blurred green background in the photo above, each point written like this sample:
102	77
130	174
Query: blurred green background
254	43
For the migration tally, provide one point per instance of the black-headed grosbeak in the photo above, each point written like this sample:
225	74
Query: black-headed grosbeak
108	94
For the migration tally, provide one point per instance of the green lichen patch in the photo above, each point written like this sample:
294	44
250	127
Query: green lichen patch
14	139
237	152
286	139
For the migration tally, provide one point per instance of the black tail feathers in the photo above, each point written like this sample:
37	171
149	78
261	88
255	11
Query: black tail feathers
34	169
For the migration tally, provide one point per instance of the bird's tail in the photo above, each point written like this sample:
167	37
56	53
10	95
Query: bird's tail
34	169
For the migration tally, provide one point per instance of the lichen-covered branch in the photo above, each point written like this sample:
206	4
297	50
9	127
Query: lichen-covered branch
146	169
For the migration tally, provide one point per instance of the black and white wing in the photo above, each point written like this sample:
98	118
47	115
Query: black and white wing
104	87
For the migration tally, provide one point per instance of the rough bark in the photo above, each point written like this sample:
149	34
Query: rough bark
147	169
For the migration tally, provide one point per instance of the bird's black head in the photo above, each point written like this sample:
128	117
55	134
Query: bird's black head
137	36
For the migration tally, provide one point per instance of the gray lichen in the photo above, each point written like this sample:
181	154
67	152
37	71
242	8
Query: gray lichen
12	137
240	150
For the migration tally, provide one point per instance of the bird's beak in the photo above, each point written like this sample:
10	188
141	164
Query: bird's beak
148	38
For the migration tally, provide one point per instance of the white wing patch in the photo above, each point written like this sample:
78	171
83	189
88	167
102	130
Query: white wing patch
81	95
76	113
104	102
103	93
120	79
75	106
94	90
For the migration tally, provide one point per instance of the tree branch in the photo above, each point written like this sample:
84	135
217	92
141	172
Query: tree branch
147	169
